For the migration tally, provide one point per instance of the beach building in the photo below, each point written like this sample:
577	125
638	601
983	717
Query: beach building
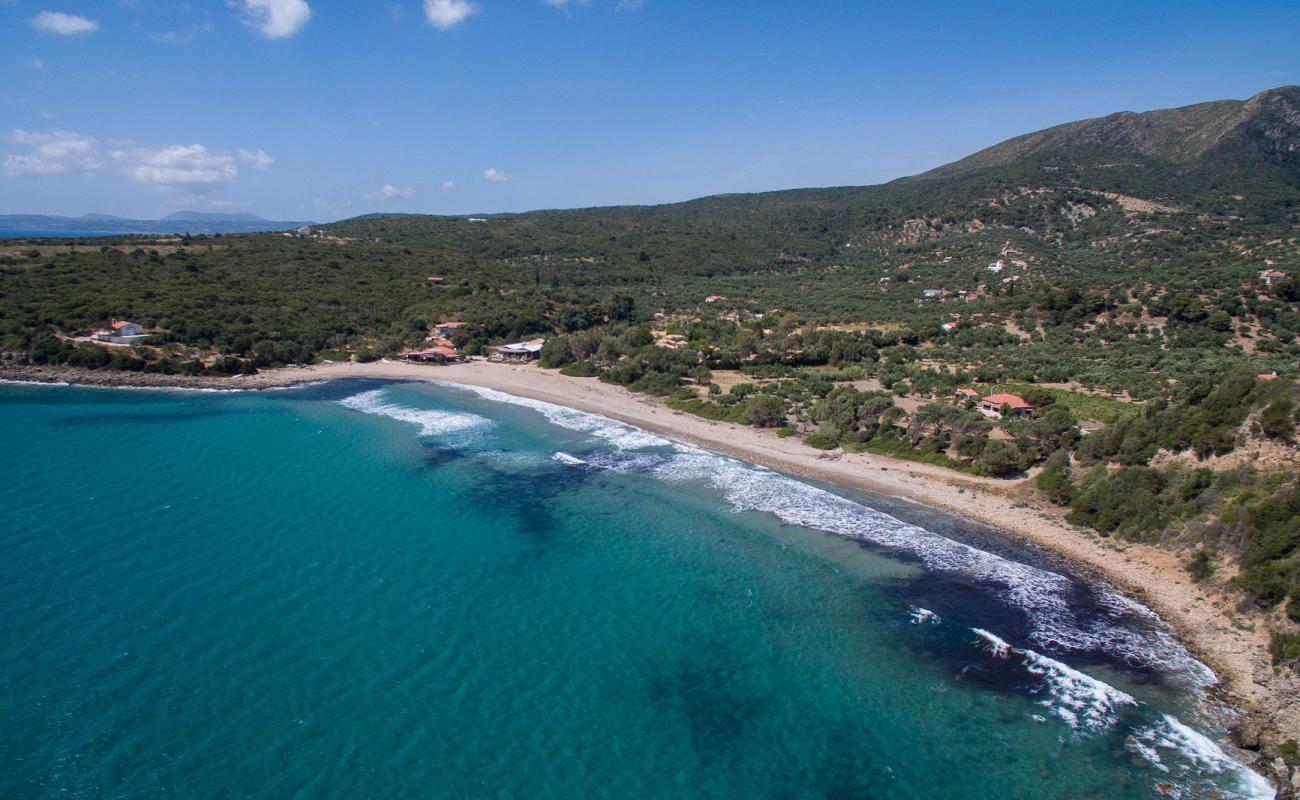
122	332
445	329
530	350
434	355
992	405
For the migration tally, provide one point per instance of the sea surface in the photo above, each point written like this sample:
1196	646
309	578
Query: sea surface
384	590
7	233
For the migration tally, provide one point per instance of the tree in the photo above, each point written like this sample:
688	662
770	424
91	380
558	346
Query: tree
999	458
765	410
619	307
1055	480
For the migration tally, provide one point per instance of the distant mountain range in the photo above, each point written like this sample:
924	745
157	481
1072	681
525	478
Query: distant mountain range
193	222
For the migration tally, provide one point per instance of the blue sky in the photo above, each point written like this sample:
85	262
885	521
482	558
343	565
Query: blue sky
321	109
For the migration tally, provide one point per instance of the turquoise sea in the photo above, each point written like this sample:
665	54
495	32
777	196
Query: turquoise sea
387	590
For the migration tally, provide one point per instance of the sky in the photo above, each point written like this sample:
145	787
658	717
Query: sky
325	109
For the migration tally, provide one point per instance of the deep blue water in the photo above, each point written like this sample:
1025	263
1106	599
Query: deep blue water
26	234
398	590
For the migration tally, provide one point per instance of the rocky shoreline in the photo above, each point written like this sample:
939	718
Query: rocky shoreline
32	373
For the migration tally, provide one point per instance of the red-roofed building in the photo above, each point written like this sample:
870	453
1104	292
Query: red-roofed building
992	405
965	396
446	329
1273	277
1268	376
434	355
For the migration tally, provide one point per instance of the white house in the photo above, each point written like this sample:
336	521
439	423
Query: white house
932	294
530	350
123	333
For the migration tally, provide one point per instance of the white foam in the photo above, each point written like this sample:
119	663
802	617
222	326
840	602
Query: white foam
923	615
997	645
1198	752
1043	595
565	458
1084	702
430	421
616	433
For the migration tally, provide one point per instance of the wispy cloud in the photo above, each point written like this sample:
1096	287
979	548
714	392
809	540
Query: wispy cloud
64	24
35	62
258	158
495	175
449	184
444	14
54	153
277	19
389	192
564	5
629	5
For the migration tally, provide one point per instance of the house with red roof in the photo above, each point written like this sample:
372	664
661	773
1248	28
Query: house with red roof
993	405
434	355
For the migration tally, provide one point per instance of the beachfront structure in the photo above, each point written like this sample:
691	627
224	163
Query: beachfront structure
530	350
434	355
122	332
992	405
446	329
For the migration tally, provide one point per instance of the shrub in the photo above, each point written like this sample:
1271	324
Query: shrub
1055	480
1276	421
822	441
1284	647
1201	565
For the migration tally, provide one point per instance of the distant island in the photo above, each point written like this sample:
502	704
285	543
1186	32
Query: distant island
182	222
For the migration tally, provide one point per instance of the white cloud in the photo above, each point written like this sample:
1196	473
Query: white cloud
564	5
258	158
277	19
64	24
185	167
35	62
444	14
53	153
629	5
495	175
188	167
449	184
389	192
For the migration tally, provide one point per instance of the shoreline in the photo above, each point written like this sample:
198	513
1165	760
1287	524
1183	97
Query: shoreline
1233	644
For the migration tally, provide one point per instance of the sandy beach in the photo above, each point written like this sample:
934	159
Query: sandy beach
1234	644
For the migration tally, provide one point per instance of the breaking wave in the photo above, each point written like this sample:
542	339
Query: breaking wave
1124	629
431	422
1092	706
1198	751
